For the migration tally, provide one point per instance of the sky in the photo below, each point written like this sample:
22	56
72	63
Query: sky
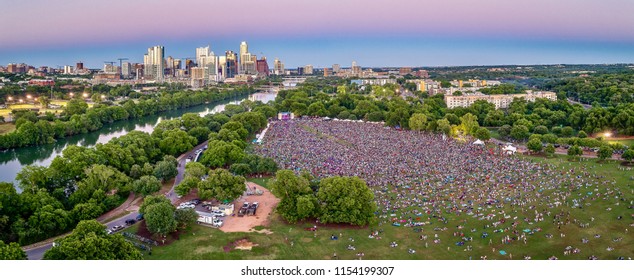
373	33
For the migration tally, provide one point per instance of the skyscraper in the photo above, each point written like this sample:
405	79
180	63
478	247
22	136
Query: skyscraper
247	61
154	63
278	67
126	70
232	64
206	59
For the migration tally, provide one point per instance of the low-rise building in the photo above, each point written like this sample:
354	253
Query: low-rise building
500	100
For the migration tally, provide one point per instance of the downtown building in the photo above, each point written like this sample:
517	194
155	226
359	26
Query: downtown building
154	64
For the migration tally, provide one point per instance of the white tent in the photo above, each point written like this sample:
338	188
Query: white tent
510	150
478	142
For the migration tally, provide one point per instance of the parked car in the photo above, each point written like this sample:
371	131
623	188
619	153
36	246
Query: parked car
139	217
115	229
218	213
195	201
130	222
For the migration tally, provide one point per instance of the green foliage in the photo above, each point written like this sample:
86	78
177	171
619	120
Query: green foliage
582	134
418	121
469	123
519	132
221	185
534	145
176	142
146	185
443	126
89	241
220	154
575	151
345	200
605	152
549	150
540	129
195	169
483	134
75	106
151	200
159	218
165	170
11	251
289	188
628	154
185	217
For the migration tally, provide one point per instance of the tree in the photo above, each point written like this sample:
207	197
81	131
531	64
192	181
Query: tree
628	155
469	123
146	185
221	153
289	187
345	200
605	152
176	142
185	186
540	129
75	106
151	200
549	150
582	134
567	131
240	169
44	101
443	126
574	151
418	121
534	145
221	185
519	132
185	217
195	169
159	218
86	211
201	133
505	130
483	134
237	127
11	251
165	170
89	241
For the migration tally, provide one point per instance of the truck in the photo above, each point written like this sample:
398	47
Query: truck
252	209
243	210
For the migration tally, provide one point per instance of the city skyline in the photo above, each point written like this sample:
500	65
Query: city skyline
381	33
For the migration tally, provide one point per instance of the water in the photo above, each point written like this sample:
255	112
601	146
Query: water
12	161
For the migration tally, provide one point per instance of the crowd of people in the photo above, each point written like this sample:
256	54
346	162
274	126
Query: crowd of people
417	174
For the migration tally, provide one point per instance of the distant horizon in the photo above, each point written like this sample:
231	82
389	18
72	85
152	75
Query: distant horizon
381	32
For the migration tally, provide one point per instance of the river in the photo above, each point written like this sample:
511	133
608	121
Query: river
12	161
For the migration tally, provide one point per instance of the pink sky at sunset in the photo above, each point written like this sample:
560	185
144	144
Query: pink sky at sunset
40	22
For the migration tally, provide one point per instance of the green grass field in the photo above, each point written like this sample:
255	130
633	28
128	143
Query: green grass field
627	142
6	128
292	241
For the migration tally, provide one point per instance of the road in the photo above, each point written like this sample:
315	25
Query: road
37	253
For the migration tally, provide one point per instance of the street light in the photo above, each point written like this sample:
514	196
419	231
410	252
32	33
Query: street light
85	95
71	95
607	134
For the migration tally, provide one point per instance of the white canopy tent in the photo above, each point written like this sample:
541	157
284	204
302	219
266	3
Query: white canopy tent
510	150
478	142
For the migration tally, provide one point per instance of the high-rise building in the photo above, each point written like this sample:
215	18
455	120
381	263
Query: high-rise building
231	64
278	67
247	60
189	64
126	70
154	63
68	69
356	70
308	69
262	67
79	66
110	68
206	59
336	68
326	72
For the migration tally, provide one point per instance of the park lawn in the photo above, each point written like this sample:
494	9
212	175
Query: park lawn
293	241
264	182
6	128
626	142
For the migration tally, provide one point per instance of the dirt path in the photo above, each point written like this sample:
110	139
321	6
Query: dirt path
267	203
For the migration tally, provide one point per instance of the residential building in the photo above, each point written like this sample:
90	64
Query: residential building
278	67
326	72
501	101
262	67
154	63
126	70
308	69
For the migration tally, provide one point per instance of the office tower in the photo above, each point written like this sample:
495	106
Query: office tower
222	67
154	63
110	68
247	60
80	66
232	64
308	69
356	70
336	68
262	66
278	67
68	69
206	59
126	70
189	64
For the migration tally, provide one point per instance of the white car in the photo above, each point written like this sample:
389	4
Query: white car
188	206
218	213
